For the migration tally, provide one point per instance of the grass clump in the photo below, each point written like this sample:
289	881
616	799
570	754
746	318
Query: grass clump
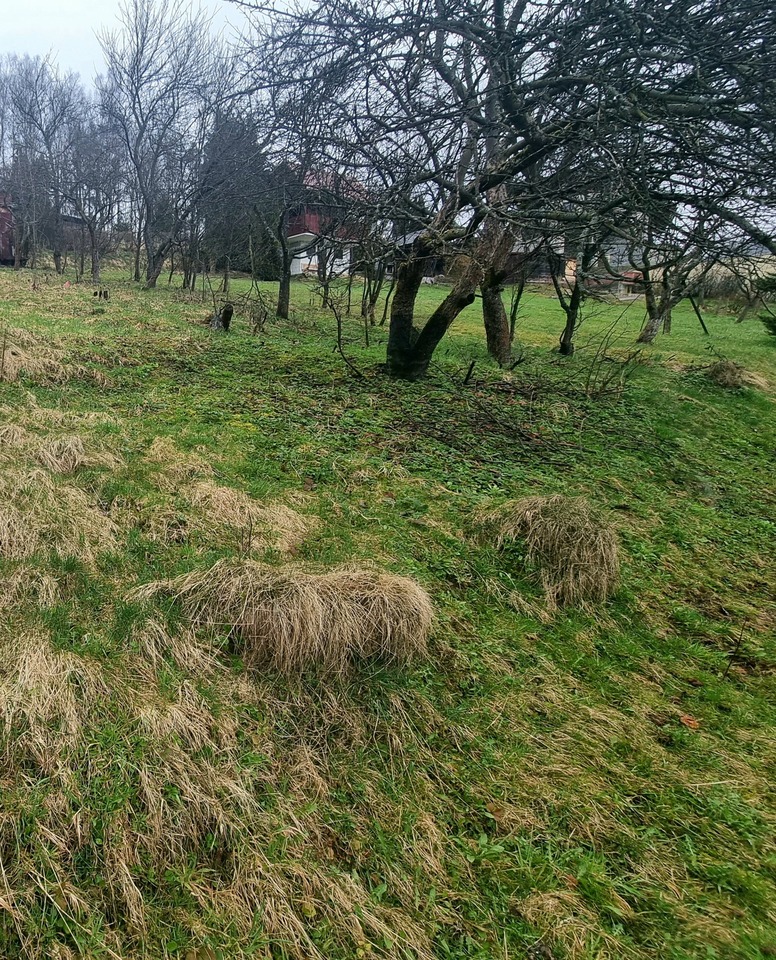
25	354
263	525
732	376
37	514
727	373
12	436
175	466
566	538
66	455
291	620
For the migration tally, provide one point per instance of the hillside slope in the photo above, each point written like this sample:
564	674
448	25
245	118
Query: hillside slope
567	784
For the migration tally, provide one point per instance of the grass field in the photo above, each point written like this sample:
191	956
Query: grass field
546	784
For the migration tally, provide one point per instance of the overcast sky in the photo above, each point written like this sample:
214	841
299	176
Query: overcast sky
67	28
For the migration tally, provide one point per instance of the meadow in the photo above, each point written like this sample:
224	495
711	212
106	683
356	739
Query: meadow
543	783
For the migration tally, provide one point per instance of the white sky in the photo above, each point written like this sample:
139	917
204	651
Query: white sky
67	29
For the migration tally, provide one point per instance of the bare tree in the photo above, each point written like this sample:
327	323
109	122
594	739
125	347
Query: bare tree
159	70
94	178
44	106
478	125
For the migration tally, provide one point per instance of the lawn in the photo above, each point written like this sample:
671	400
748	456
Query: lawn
548	784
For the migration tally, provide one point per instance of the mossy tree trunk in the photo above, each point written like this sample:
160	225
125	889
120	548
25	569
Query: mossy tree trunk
409	350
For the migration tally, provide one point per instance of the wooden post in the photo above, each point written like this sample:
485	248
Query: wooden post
698	315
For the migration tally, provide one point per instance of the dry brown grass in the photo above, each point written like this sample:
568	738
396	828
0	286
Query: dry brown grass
290	619
13	436
26	354
66	455
45	695
176	466
25	585
732	376
155	643
37	514
218	514
259	525
726	373
45	418
53	705
565	920
574	549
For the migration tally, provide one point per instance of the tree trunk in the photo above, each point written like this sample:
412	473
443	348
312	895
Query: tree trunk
494	316
58	240
566	347
374	278
94	252
517	296
155	264
17	249
493	252
401	332
651	327
324	274
655	316
82	255
391	288
284	293
409	351
284	290
138	247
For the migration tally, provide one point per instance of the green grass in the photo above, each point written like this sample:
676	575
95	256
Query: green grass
600	782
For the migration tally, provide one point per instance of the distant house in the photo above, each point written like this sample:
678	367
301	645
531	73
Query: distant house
323	230
7	249
612	275
538	260
313	231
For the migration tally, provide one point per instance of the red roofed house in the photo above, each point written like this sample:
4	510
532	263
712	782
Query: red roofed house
321	233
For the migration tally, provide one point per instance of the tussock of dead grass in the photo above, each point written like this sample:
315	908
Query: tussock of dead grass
565	920
161	522
261	525
13	435
218	514
45	696
67	454
290	619
155	643
26	354
732	376
575	550
186	798
45	418
37	514
176	466
26	584
726	373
